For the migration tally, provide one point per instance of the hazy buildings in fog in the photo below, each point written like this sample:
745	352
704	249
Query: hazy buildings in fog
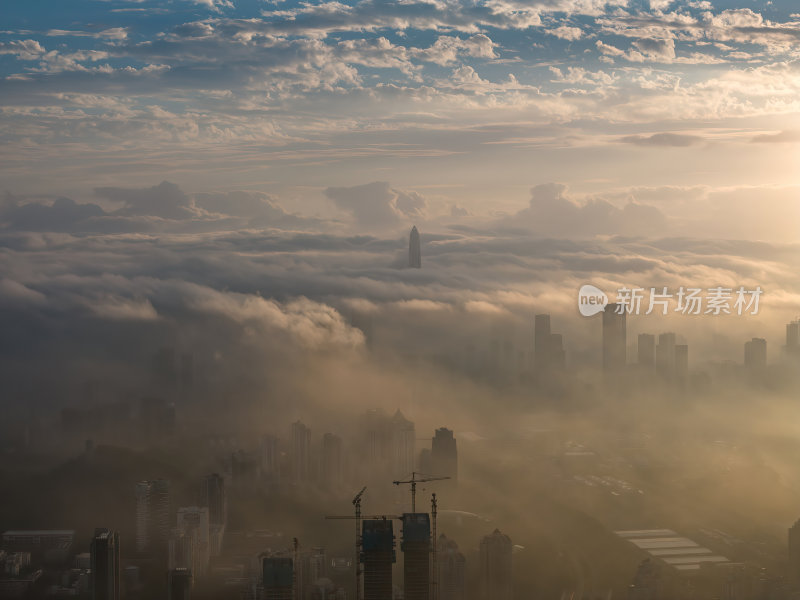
277	574
793	337
451	569
755	354
105	577
416	547
496	579
414	249
794	552
548	347
403	444
152	515
270	460
332	460
665	355
614	337
179	584
681	361
301	452
191	520
212	496
646	350
377	543
444	454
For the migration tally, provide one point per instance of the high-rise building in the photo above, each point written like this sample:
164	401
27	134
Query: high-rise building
377	544
179	584
614	337
451	568
212	495
793	337
277	574
152	515
414	249
755	354
105	578
403	445
496	580
681	361
195	518
270	460
301	452
332	468
646	350
416	547
444	454
665	355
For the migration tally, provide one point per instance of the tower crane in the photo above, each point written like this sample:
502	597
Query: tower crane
414	481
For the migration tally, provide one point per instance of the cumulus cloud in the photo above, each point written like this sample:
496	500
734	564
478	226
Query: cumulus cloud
377	204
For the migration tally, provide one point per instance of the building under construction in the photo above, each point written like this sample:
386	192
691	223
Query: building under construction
416	548
377	555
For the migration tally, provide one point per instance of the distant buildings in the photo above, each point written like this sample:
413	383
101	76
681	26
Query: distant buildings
179	584
193	528
414	250
301	452
105	578
444	454
212	495
403	443
548	347
277	573
793	337
755	354
332	458
646	350
665	355
496	579
152	515
451	569
614	338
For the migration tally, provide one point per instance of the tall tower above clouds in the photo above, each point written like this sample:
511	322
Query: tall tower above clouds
414	251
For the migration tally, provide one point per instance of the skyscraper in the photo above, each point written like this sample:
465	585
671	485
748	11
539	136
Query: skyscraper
646	350
665	355
403	445
105	565
451	568
414	249
614	337
179	584
270	460
377	544
212	495
195	518
755	354
152	515
301	452
416	547
444	454
495	570
793	337
332	460
277	574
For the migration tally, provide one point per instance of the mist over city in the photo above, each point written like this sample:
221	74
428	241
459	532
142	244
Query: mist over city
419	300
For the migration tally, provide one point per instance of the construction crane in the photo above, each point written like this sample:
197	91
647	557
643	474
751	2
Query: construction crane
414	481
434	575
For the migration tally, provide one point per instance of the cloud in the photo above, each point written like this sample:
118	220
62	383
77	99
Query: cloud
782	137
675	140
377	204
165	200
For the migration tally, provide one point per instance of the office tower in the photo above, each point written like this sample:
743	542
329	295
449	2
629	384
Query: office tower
403	445
451	568
794	552
646	350
277	574
270	460
179	584
793	337
212	495
332	472
377	555
646	582
183	548
614	338
152	515
495	569
105	565
555	351
414	249
665	355
416	547
755	354
681	361
444	454
195	518
541	342
301	452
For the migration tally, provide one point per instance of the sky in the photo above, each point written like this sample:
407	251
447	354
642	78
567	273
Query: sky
264	161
